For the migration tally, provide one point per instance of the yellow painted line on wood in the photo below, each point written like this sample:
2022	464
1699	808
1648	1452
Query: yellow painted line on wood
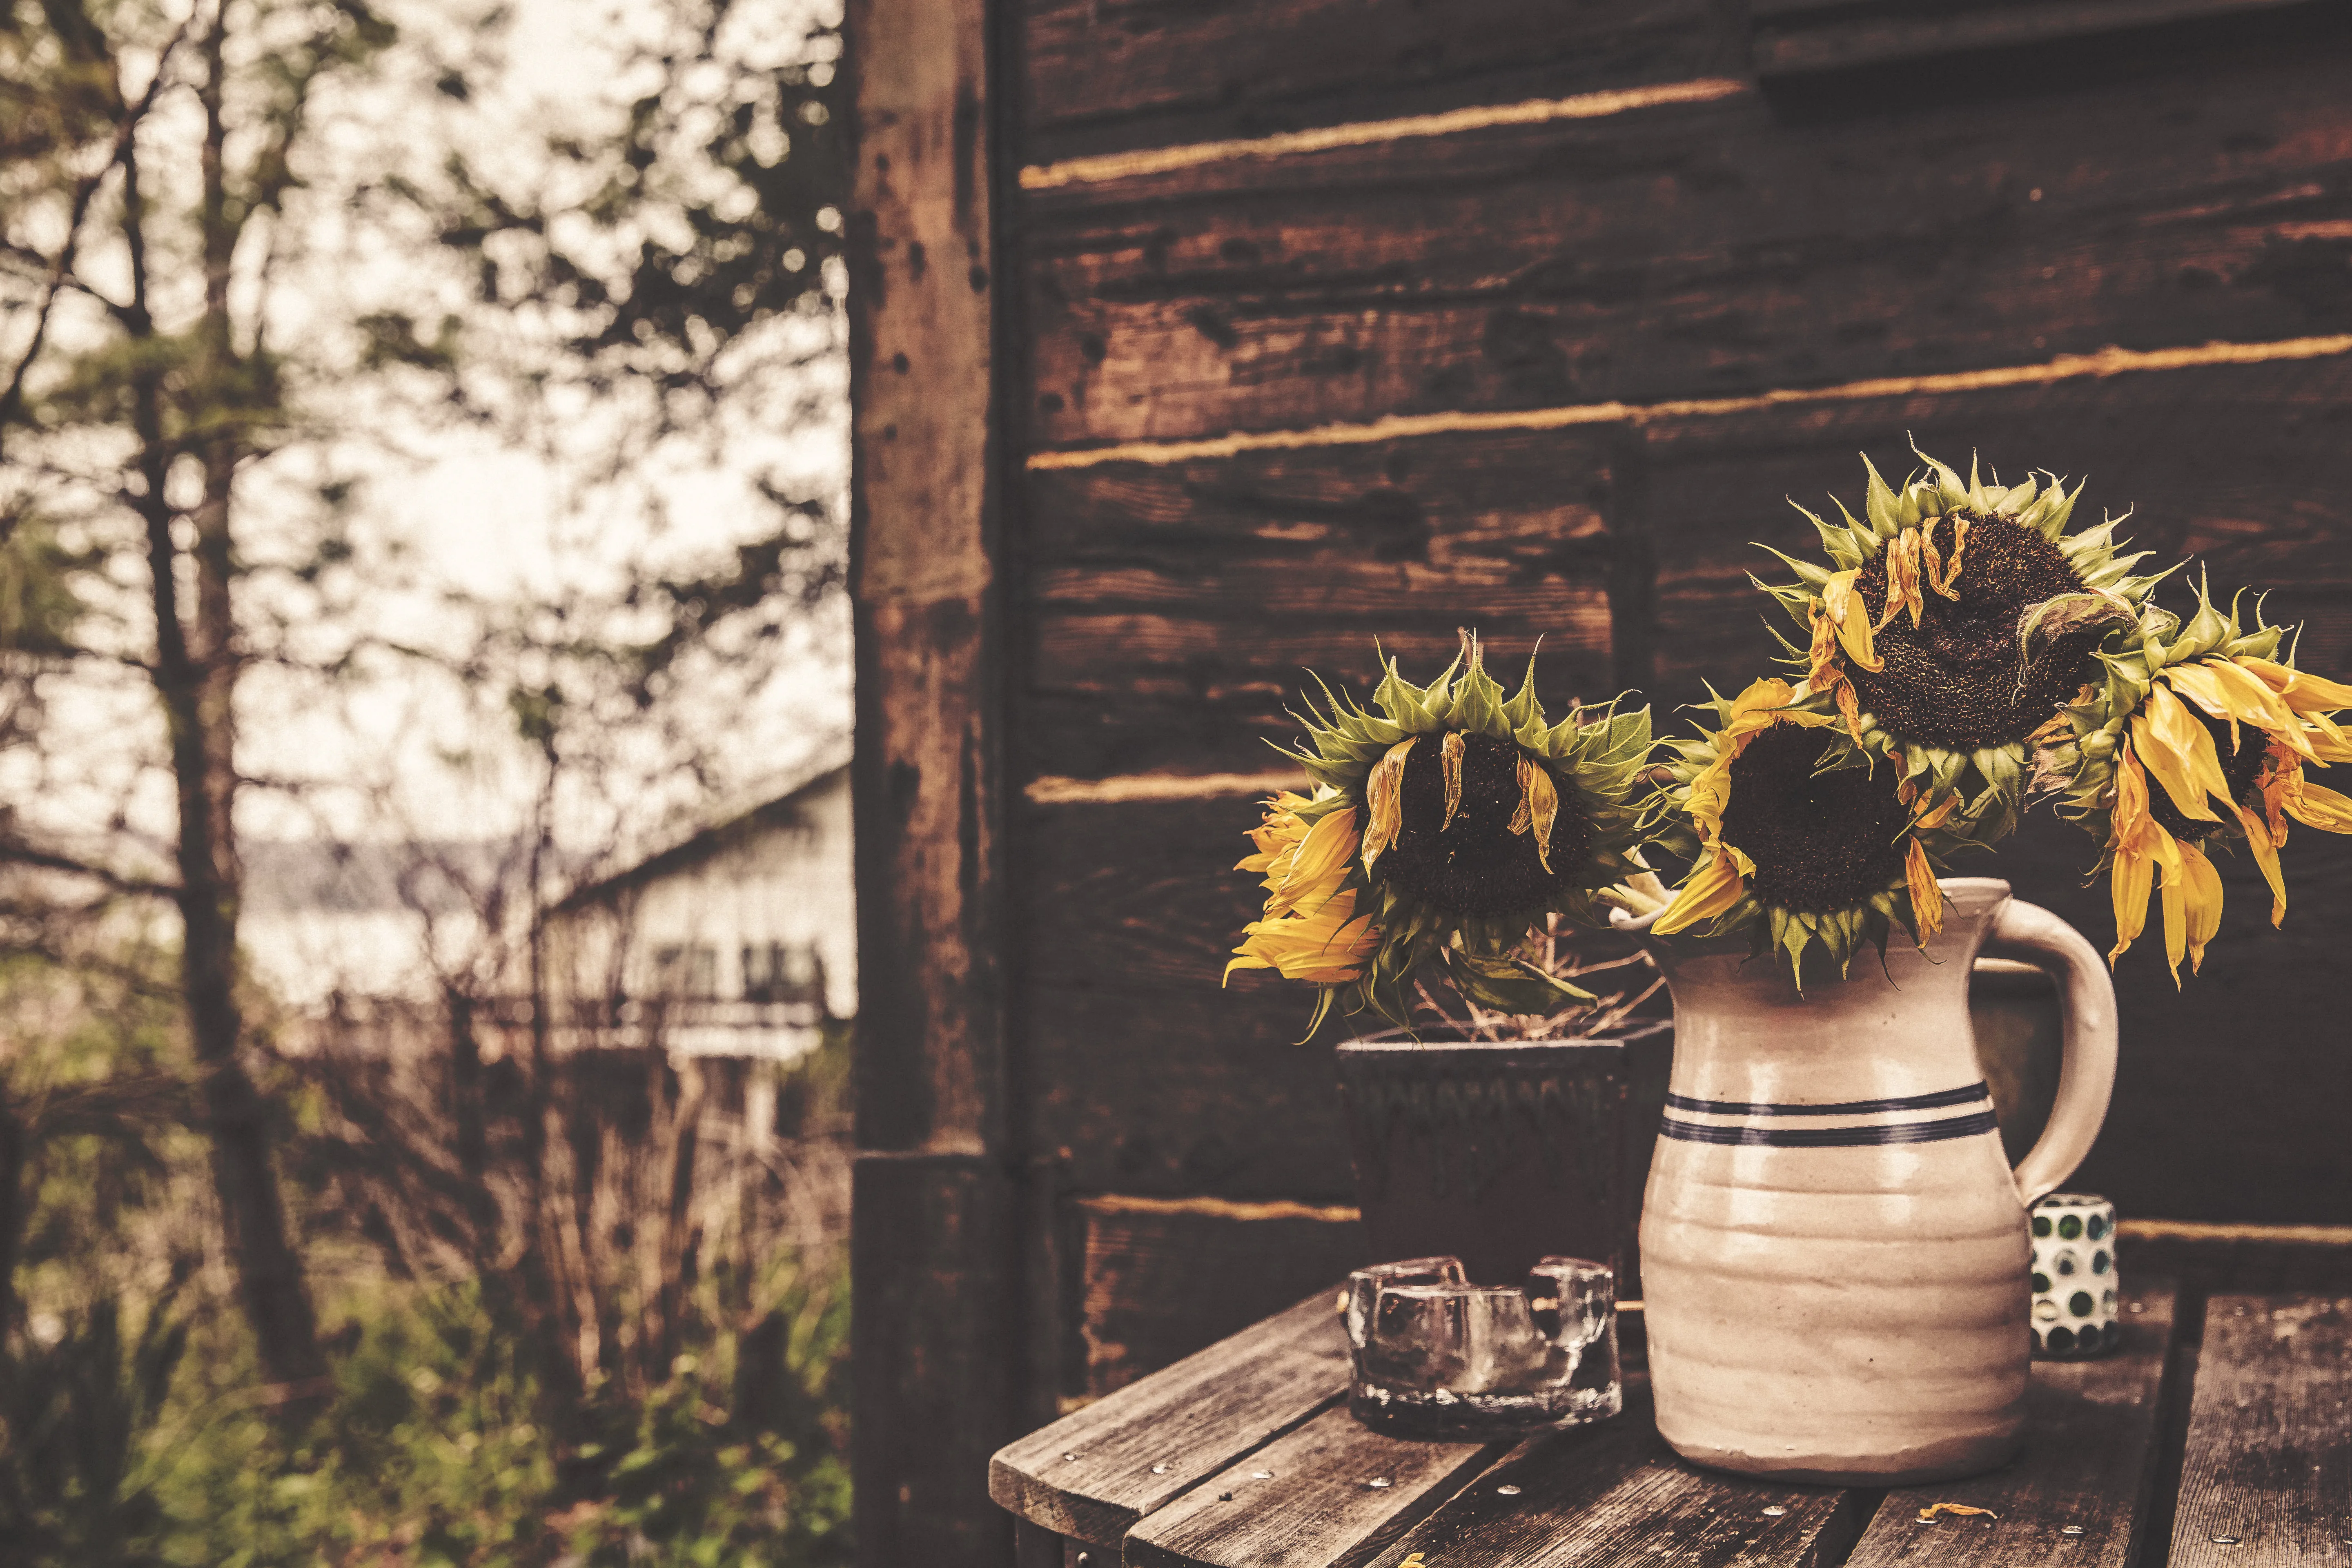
1221	1208
2106	361
1054	790
1364	133
2203	1230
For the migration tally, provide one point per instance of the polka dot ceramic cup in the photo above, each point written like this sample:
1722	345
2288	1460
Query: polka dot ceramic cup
2075	1276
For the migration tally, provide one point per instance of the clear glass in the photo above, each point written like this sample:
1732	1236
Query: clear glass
1435	1356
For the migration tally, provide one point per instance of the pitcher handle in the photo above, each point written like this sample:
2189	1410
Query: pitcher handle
2087	1072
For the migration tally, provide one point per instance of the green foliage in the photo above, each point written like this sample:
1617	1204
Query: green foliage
136	1427
432	1449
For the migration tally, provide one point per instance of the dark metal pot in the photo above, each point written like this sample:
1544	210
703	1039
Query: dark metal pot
1499	1153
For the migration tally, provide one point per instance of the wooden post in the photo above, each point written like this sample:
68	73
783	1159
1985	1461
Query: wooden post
935	1225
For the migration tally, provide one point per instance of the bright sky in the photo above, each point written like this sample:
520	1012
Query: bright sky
495	517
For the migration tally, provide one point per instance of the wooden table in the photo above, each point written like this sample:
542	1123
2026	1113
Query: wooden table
2219	1435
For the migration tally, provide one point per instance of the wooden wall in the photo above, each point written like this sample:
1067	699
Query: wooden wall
1310	320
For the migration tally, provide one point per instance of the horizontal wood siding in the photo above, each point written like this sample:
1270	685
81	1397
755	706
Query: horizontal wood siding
1174	607
1692	250
1111	75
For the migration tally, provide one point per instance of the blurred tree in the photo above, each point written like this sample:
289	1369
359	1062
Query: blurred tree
193	344
153	155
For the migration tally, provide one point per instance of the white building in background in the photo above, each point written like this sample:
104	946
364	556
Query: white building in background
739	940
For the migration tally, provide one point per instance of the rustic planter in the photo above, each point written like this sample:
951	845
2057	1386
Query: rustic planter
1497	1153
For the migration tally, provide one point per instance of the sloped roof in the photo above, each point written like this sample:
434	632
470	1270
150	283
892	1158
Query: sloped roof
777	809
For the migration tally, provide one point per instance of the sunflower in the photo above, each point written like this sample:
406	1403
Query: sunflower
1795	837
2199	736
1442	828
1954	620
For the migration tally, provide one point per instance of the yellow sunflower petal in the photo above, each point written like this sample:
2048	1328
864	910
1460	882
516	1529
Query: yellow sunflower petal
1450	760
1850	619
2202	893
2132	876
1902	557
2170	758
1946	584
2133	872
1384	792
2258	840
2303	691
1822	672
1540	797
2250	698
1712	888
2201	685
1318	867
1325	948
2316	805
1927	898
2175	893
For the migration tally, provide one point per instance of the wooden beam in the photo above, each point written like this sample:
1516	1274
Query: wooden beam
937	1207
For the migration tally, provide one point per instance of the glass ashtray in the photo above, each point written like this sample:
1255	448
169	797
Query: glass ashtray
1437	1357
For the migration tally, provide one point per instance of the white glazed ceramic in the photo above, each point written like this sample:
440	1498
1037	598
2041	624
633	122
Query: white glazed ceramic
1833	1247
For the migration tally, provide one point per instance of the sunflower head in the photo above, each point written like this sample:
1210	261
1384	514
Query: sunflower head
2197	739
1953	619
1798	837
1447	820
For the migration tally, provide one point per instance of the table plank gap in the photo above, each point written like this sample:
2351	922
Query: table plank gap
2267	1475
2092	1450
1306	1500
1094	1473
1618	1495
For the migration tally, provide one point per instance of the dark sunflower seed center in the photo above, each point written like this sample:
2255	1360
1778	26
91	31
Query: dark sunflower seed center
1479	866
1954	680
1821	842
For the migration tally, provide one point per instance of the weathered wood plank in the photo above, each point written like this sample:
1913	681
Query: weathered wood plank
2229	1259
1811	35
1110	74
1161	1279
923	534
1093	1474
2092	1435
1694	250
934	1259
1617	1494
1176	1092
1171	607
1304	1500
2267	1477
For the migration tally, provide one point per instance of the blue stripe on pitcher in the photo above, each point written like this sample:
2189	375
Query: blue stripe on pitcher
1877	1133
1974	1091
1832	1137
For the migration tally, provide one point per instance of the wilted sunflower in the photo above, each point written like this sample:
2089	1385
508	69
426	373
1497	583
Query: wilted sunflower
1955	620
1442	828
1795	836
2225	730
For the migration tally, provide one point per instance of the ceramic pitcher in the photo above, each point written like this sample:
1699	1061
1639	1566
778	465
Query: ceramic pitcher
1833	1246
